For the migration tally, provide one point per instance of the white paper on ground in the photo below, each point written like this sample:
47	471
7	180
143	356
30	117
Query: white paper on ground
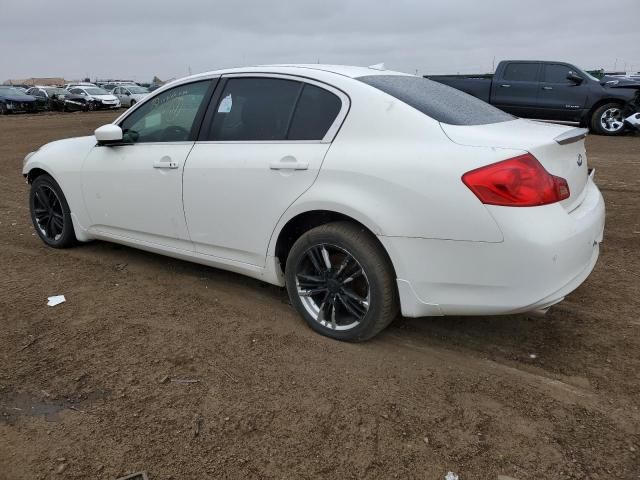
56	300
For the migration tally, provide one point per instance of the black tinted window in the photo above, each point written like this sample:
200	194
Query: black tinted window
556	74
255	109
168	117
523	72
440	102
315	112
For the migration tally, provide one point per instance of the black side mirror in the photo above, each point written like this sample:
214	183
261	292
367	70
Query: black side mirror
574	77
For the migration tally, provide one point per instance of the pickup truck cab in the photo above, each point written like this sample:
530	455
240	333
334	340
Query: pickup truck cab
553	91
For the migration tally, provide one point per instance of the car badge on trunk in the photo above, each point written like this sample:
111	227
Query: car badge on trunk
579	162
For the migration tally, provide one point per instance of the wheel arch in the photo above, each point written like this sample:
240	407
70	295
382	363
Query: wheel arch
586	121
302	222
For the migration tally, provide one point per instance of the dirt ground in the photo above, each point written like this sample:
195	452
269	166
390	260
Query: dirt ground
187	372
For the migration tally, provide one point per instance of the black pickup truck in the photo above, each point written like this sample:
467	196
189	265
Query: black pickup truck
553	91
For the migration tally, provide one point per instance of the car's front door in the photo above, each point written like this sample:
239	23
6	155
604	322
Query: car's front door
261	146
133	190
561	98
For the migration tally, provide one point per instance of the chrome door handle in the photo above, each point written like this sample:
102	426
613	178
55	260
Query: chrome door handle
165	162
505	85
547	88
288	163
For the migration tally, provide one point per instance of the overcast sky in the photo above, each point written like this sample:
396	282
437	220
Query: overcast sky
138	39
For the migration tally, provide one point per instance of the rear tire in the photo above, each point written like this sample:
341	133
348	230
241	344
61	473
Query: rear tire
341	281
3	109
608	119
50	213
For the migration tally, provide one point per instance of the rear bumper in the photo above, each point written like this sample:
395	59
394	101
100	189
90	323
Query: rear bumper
546	254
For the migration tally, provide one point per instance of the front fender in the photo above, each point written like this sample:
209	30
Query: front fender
62	160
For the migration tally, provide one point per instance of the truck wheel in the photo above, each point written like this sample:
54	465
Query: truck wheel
340	280
608	120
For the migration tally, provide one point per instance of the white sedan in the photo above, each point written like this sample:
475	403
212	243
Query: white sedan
129	95
365	192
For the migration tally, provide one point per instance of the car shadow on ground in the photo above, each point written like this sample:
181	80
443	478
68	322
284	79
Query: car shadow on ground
521	338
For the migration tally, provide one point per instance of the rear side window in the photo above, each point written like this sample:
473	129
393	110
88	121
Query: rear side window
315	112
521	72
255	109
554	73
440	102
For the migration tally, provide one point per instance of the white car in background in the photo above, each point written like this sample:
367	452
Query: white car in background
129	95
98	98
363	191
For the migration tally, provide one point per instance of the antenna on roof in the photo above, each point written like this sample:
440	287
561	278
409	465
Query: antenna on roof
377	66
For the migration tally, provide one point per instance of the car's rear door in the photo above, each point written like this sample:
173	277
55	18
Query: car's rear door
133	190
261	146
515	89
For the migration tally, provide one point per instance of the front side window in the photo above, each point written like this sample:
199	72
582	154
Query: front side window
521	72
554	73
168	117
253	109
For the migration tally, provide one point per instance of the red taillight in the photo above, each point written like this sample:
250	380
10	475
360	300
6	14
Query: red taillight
516	182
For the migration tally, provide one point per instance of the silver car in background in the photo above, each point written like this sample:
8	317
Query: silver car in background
129	95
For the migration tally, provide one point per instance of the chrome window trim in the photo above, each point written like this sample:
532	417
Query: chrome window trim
333	129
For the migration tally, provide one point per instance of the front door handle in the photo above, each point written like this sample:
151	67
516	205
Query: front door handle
547	88
289	163
165	162
505	85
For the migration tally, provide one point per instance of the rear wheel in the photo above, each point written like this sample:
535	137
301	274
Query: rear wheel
340	280
3	109
608	119
50	213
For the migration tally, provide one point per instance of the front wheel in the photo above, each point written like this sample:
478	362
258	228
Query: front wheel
50	213
341	281
608	119
3	109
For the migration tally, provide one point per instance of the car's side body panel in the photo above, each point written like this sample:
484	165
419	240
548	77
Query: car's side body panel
390	167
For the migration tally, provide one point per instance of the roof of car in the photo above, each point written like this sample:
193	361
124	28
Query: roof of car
343	70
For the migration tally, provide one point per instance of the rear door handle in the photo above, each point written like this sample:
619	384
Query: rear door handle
165	162
547	88
289	163
505	85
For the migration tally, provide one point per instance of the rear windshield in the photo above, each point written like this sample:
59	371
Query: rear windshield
440	102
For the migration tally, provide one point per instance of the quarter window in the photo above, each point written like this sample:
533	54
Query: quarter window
315	112
521	72
169	117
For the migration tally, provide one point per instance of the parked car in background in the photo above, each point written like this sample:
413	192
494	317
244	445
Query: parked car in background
96	98
49	98
59	99
13	100
363	191
69	86
109	86
553	91
129	95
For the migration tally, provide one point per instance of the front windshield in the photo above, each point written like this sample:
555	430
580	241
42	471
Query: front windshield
96	91
137	90
56	91
588	75
11	91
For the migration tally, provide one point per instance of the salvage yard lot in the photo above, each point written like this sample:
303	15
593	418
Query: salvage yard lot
188	372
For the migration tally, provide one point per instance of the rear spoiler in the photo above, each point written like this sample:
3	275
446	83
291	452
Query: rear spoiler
570	136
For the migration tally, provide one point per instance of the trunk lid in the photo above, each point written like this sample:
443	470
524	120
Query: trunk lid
560	149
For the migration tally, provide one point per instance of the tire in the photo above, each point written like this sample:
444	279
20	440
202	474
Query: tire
608	120
3	109
46	201
346	305
132	103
